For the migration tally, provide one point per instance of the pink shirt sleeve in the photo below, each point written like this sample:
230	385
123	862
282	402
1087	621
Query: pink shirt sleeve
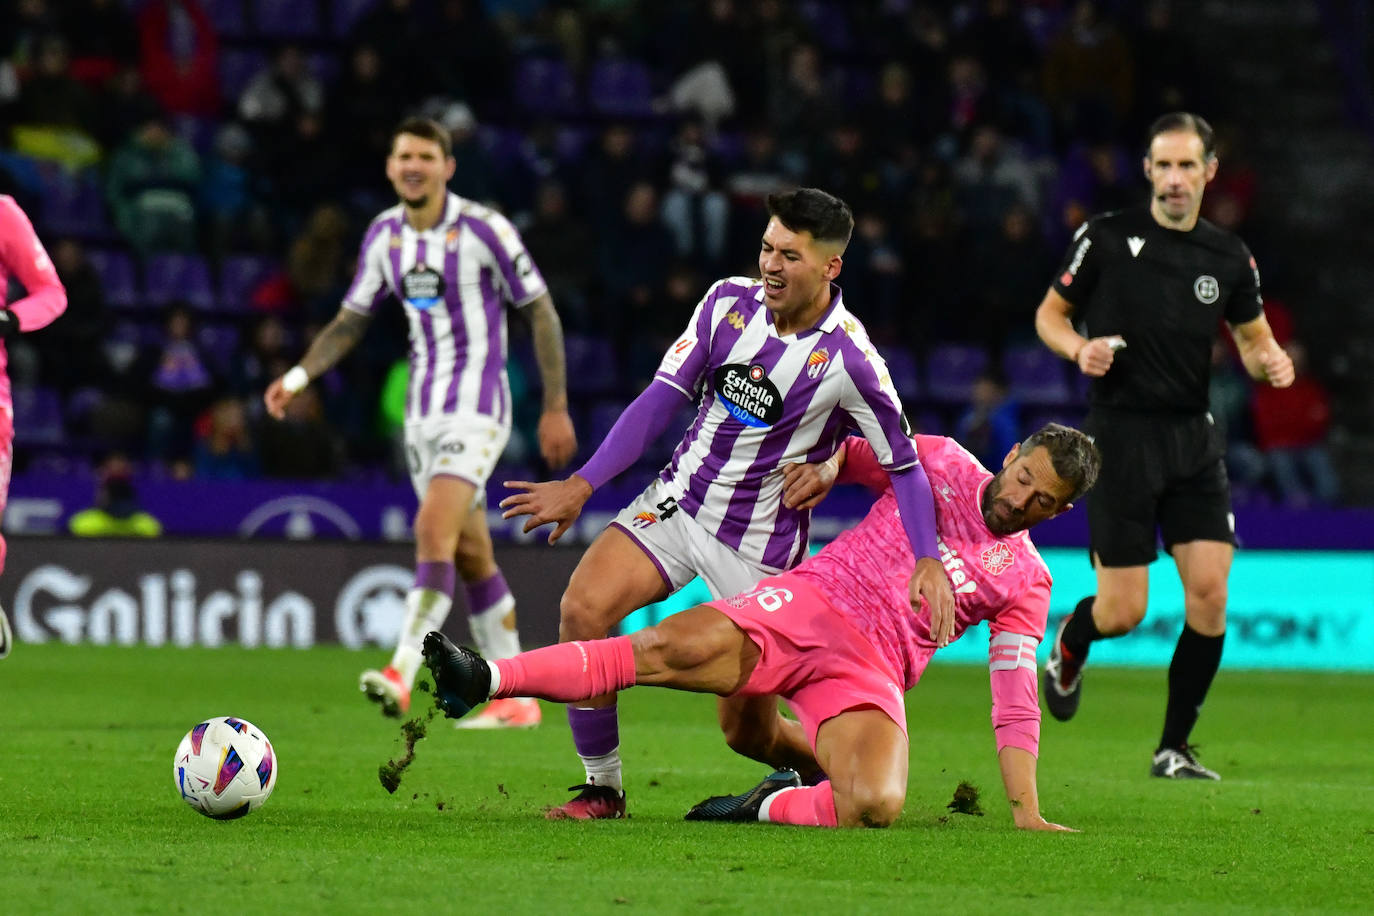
1012	671
24	255
861	466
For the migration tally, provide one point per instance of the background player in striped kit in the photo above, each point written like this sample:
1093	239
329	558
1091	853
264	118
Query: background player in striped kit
454	265
23	257
837	637
780	371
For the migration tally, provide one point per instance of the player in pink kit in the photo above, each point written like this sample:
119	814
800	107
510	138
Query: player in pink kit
836	637
21	256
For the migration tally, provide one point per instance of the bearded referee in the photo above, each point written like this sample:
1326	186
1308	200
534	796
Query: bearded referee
1148	287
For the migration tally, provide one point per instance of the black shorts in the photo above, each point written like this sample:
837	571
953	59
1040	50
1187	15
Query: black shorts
1160	472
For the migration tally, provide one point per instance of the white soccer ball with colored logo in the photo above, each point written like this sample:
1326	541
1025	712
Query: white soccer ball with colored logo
225	767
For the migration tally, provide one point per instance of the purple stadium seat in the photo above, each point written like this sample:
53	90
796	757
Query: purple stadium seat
229	17
620	88
348	12
1035	376
118	279
73	205
951	370
172	277
591	365
286	19
237	67
929	423
545	85
239	275
199	132
901	365
37	417
597	423
220	343
829	22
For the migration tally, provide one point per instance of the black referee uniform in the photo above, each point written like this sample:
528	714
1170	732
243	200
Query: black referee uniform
1166	293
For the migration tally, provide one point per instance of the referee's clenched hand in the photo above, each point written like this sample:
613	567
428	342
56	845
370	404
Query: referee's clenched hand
1095	356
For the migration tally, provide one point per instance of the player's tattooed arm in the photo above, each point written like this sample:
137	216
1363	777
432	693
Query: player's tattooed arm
334	341
547	331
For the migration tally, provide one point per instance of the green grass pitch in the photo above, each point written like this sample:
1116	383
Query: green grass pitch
90	821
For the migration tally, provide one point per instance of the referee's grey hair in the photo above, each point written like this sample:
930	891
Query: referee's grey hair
1072	453
1187	122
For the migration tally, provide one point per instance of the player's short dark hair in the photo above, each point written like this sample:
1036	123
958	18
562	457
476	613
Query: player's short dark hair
1072	453
425	129
1189	123
812	210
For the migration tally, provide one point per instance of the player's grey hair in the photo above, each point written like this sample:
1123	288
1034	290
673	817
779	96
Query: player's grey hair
1072	453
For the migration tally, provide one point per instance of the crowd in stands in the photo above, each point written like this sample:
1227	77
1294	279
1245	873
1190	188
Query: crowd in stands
202	171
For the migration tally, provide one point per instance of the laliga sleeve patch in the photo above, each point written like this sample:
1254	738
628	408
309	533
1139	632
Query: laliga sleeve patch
677	354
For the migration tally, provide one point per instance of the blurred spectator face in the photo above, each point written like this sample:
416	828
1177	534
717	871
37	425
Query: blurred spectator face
418	169
291	62
617	142
52	57
1178	173
552	202
722	10
846	140
1103	161
895	85
154	134
228	420
179	325
965	74
761	146
986	143
641	204
1224	210
269	337
367	64
67	257
328	222
804	66
1016	224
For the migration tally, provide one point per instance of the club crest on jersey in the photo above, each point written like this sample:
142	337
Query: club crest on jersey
422	287
748	395
1206	289
816	363
997	559
644	519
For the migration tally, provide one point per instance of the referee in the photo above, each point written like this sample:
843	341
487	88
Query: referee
1148	287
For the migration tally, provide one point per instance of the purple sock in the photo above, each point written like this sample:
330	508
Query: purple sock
435	575
596	732
485	594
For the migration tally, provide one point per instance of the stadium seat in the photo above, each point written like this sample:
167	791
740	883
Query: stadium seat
73	205
544	85
237	67
118	278
37	417
901	365
220	343
199	132
172	277
239	275
591	365
929	423
1035	376
620	87
347	12
286	19
951	370
229	17
829	22
597	423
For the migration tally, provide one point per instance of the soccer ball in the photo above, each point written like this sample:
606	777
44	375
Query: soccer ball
225	767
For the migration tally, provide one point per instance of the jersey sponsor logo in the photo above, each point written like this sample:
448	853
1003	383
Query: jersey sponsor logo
1077	261
1135	243
735	320
1206	289
748	395
997	559
960	580
422	287
816	363
677	354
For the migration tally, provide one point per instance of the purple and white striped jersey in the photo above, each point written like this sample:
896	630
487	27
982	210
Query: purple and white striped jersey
453	281
766	401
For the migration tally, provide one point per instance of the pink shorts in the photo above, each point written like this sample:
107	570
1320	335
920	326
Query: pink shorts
811	655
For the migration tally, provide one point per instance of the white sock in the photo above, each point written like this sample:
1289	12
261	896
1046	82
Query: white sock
426	609
604	770
494	630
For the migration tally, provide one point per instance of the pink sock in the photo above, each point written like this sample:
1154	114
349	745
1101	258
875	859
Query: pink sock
569	671
808	806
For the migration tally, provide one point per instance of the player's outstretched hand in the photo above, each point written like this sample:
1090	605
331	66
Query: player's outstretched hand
1096	356
1278	366
1036	822
556	501
805	485
557	441
276	397
929	581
